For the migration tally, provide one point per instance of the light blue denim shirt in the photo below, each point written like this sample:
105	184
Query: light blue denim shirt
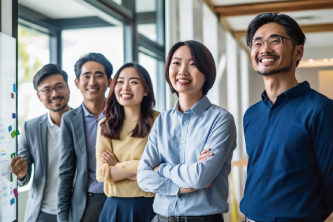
90	123
175	144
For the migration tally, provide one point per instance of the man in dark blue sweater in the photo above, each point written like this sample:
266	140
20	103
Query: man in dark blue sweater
289	133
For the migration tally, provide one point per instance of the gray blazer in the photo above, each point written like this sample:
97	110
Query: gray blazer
73	167
33	148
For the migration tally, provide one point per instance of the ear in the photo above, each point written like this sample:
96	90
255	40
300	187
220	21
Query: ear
76	81
299	52
38	95
110	80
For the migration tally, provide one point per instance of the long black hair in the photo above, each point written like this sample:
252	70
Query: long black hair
114	112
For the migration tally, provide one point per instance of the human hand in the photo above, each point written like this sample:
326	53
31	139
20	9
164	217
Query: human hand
19	167
132	178
186	190
109	158
209	186
156	168
205	154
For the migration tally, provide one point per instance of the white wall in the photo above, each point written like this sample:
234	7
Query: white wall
6	17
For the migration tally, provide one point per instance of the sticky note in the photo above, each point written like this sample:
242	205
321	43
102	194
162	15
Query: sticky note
11	177
12	95
10	128
17	132
15	192
14	115
14	87
13	155
13	134
12	201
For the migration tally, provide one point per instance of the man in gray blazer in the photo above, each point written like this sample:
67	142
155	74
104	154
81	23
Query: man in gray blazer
39	145
80	195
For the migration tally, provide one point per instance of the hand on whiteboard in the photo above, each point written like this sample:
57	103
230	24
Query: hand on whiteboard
19	167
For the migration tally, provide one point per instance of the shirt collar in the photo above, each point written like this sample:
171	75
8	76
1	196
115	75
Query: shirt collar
49	119
87	113
293	92
198	108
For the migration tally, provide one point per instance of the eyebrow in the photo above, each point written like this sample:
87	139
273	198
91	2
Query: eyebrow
191	59
129	78
97	72
59	83
273	35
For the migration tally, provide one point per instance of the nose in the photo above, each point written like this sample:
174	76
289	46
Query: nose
92	81
54	93
265	48
125	86
183	70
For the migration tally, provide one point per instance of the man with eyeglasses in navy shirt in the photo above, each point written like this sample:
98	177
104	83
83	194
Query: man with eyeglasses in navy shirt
289	133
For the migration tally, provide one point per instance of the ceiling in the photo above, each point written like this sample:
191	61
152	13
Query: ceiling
314	17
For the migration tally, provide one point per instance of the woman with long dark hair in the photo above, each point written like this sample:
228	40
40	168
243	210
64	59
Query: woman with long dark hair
171	165
121	138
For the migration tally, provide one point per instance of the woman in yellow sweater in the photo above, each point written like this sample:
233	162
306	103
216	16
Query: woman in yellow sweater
121	139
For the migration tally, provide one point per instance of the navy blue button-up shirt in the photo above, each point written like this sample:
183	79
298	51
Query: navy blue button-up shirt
290	148
175	144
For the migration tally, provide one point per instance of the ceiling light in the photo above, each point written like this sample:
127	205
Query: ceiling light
325	60
310	60
332	59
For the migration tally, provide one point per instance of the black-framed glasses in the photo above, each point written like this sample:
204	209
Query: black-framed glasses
48	90
274	42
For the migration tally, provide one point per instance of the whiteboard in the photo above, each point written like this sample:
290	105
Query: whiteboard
8	130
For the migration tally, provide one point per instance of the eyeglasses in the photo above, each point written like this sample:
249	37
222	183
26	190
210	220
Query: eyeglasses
274	42
48	91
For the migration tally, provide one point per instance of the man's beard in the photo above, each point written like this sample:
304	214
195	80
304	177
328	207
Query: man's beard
59	109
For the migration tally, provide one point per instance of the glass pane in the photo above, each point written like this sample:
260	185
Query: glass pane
148	30
150	64
145	5
33	54
107	40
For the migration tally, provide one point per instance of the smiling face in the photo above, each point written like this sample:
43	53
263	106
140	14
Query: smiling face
56	101
93	81
184	75
281	60
129	89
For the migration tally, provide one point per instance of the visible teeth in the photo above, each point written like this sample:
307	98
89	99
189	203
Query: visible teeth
126	96
55	100
267	60
183	80
92	90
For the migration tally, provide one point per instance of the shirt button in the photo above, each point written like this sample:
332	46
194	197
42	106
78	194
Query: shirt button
183	141
183	161
170	206
184	123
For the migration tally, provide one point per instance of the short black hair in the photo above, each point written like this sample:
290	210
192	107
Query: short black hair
49	70
292	28
203	60
95	57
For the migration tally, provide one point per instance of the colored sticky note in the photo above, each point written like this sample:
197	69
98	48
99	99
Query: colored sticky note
14	115
15	192
17	132
11	177
14	87
13	134
12	95
13	155
10	128
12	201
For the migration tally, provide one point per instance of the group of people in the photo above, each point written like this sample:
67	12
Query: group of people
116	159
